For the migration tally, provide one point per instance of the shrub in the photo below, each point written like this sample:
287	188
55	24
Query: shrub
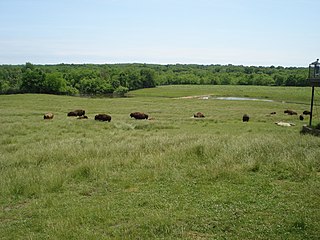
120	91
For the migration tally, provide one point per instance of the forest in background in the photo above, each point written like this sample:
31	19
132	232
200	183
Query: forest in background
118	79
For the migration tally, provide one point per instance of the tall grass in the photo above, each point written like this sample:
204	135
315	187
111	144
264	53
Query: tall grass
173	177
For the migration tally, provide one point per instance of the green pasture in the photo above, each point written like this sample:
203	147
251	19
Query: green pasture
170	177
289	94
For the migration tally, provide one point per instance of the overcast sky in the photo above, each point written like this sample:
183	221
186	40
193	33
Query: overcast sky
240	32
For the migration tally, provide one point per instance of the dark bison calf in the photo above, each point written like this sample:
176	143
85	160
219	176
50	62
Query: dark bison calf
139	115
198	115
48	116
245	118
103	117
290	112
306	112
75	113
83	117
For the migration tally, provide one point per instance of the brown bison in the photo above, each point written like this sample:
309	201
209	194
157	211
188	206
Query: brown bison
301	117
245	118
76	113
48	116
198	115
139	115
103	117
290	112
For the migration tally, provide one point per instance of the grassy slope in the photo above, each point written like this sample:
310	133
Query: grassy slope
172	177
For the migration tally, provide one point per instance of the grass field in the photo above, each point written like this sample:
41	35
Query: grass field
173	177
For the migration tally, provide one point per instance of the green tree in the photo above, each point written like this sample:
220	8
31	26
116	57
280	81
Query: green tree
55	83
29	66
33	81
262	80
291	80
134	81
225	79
95	86
279	79
123	78
4	86
115	82
147	78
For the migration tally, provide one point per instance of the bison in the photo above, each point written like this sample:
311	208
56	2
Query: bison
83	117
71	114
245	118
290	112
306	112
301	117
139	115
48	116
75	113
103	117
198	115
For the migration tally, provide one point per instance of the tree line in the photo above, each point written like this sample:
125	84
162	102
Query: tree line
118	79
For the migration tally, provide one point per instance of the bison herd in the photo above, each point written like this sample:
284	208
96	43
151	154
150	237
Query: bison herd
80	114
245	117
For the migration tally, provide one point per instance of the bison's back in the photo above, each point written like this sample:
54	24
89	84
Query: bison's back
77	113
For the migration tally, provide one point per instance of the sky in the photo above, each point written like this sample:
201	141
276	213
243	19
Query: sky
239	32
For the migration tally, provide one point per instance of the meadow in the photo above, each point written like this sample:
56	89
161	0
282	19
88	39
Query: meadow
172	177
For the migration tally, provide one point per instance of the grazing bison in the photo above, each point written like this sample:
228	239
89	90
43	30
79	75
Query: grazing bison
198	115
139	115
273	113
48	116
301	117
306	112
103	117
245	118
290	112
76	113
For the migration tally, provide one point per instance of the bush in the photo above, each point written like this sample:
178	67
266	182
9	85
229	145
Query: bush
121	91
72	91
